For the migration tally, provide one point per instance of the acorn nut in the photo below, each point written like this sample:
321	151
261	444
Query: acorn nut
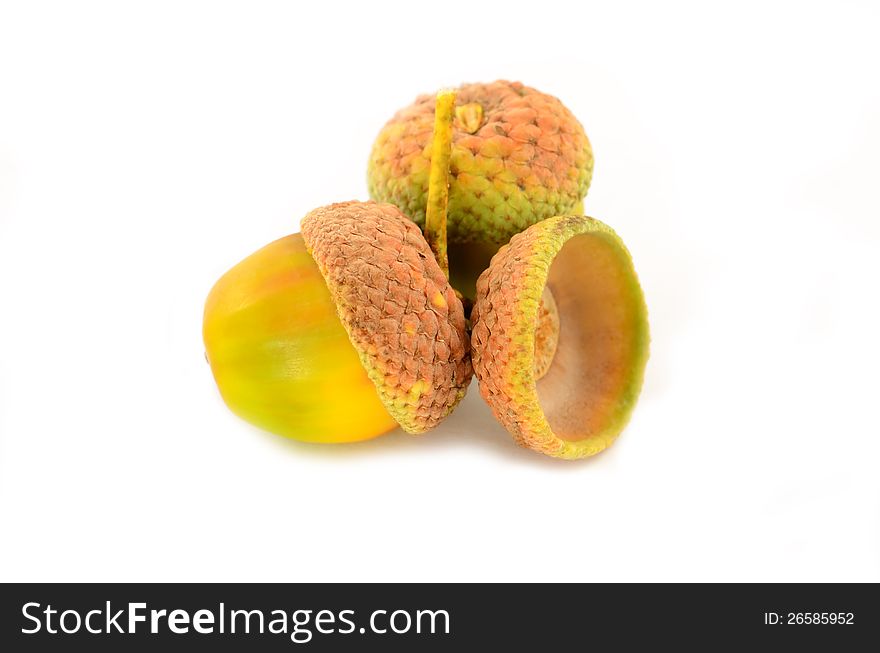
340	333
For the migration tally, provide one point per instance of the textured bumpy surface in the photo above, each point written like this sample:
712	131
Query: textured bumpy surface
519	157
503	339
396	305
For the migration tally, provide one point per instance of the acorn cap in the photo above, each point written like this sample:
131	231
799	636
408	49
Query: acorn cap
519	156
396	305
560	336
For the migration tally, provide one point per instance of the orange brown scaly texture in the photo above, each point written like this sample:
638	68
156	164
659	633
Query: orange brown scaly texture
508	294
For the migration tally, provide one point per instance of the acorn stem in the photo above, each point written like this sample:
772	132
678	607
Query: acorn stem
438	180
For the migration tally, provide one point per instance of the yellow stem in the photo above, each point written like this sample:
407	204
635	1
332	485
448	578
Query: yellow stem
438	180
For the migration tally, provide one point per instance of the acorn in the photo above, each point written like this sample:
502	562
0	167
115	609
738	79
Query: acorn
342	332
560	336
519	156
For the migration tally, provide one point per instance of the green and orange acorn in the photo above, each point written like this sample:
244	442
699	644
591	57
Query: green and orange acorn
340	333
519	156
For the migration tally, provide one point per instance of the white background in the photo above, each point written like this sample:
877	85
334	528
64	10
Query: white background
147	147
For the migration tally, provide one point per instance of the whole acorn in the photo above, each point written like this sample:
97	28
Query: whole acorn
340	333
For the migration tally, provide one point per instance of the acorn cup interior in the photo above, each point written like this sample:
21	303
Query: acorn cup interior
560	336
594	376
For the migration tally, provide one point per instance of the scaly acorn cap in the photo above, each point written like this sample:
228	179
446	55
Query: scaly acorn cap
560	336
397	306
519	156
